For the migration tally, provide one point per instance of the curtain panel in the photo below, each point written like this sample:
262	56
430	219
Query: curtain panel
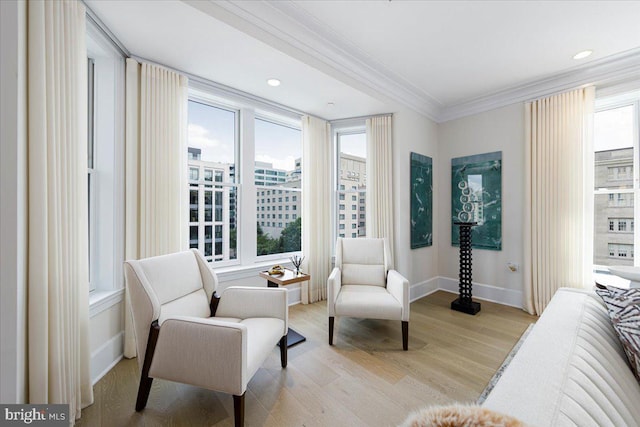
379	203
559	195
316	208
156	204
58	264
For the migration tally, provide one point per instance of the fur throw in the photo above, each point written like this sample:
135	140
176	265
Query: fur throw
459	416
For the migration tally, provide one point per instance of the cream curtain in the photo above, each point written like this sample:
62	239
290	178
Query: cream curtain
155	167
316	207
559	195
58	264
379	205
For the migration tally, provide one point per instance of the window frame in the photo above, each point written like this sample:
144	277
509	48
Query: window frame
203	99
344	197
292	192
107	190
612	103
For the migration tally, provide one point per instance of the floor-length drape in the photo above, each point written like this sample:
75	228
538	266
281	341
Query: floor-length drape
379	201
559	195
58	263
155	167
316	207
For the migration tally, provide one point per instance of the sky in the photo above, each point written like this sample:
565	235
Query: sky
212	130
354	144
613	129
276	144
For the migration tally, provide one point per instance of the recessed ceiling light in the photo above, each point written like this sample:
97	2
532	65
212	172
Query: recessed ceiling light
583	54
273	82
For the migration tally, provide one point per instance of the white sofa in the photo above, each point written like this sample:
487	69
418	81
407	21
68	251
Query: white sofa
571	370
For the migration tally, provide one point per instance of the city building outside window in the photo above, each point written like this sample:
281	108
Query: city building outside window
351	183
616	182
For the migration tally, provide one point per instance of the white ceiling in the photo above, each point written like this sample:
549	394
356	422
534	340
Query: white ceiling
441	58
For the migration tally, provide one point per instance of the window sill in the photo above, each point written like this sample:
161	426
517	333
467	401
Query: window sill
100	301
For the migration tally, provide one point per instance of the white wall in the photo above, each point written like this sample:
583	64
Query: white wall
106	340
413	132
497	130
13	149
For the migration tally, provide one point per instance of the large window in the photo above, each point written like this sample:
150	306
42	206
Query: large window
244	178
213	190
616	183
351	184
105	164
91	118
278	173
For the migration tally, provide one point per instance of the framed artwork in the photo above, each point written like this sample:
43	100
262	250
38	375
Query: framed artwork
476	196
421	201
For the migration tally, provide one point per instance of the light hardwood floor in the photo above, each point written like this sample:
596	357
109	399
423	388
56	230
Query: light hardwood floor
365	379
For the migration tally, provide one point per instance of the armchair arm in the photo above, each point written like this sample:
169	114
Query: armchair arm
204	352
245	302
398	286
334	282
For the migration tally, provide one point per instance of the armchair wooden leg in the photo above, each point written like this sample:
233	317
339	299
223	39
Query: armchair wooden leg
238	410
405	336
331	319
143	393
283	351
145	381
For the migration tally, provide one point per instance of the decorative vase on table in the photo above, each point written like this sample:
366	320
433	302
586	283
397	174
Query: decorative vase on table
297	262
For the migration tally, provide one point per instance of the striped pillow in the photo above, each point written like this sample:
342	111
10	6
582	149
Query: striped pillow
623	306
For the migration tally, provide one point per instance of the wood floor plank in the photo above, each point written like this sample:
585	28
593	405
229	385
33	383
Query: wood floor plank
365	379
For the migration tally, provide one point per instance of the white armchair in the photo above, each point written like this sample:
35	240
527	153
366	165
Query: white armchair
185	333
362	285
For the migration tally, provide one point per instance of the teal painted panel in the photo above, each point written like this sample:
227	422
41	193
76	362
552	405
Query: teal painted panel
476	191
421	201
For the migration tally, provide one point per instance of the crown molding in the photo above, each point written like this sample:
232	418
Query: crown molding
290	29
605	72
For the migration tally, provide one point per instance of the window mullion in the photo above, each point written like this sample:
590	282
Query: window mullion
247	231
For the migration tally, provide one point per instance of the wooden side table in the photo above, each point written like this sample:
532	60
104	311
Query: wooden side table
288	278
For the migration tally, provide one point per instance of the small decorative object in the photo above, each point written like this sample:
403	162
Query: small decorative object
464	303
276	270
297	262
476	196
460	415
466	213
421	201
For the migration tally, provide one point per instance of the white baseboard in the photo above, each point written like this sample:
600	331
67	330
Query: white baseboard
106	357
484	292
422	289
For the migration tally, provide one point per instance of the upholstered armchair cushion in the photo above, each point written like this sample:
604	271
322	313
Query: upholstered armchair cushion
363	285
362	261
368	302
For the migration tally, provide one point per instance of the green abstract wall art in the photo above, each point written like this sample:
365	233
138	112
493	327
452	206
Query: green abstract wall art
476	191
421	201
